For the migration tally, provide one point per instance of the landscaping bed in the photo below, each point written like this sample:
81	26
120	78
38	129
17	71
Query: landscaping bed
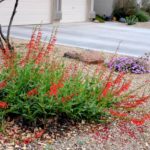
63	133
145	25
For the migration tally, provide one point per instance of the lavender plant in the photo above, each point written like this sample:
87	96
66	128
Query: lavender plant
138	65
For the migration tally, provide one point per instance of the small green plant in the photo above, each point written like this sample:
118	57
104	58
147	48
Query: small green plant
100	19
131	20
142	16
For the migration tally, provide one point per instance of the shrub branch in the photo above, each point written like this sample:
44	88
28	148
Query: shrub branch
6	39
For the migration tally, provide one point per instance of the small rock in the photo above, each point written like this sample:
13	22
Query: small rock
122	20
96	21
83	122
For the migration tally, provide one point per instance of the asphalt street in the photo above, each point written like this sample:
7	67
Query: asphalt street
108	36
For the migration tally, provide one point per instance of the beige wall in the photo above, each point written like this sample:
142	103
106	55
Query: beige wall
104	7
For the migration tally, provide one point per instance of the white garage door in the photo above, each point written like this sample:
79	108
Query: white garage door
74	10
28	12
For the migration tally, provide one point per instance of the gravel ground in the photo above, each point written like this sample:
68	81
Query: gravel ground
84	136
143	25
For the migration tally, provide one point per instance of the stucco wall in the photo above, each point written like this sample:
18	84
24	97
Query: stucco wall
104	7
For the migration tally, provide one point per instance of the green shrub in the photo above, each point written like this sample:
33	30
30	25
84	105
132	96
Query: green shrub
126	9
131	20
119	13
142	16
37	86
146	6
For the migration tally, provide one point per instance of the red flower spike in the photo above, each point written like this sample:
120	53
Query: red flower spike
108	86
39	58
135	103
118	114
132	96
119	78
129	105
138	122
32	92
3	84
38	39
31	44
49	47
39	134
124	88
3	105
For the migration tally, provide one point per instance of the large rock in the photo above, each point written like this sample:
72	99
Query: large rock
89	57
72	54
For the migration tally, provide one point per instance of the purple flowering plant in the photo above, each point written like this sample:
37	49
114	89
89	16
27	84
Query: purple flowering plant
134	65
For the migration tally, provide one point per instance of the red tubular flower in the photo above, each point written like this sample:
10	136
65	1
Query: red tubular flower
67	98
98	69
119	78
3	84
22	63
51	44
53	90
31	44
38	39
129	105
108	86
124	88
132	96
135	103
39	36
32	92
49	47
60	85
39	58
27	140
138	122
39	134
118	114
3	105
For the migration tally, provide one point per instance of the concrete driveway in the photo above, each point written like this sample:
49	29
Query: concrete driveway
102	37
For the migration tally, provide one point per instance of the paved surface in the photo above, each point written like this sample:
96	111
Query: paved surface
101	37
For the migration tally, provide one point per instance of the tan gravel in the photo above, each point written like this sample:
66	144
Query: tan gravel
142	25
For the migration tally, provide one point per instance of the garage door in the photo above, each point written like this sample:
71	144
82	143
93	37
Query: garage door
28	12
74	10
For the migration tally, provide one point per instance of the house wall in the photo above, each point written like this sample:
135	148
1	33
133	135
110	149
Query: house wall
47	11
104	7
